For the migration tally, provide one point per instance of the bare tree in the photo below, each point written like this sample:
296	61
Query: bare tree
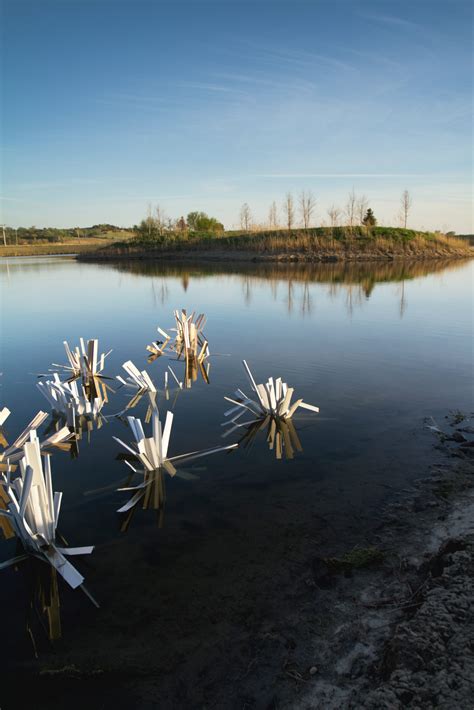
307	203
160	220
273	216
362	204
406	202
289	210
334	215
350	209
149	220
245	217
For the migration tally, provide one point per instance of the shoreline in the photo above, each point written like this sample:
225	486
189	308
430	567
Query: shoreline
252	257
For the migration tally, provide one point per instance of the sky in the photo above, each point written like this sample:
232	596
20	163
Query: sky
112	105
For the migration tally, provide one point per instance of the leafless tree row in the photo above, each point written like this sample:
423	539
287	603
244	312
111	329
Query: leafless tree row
351	214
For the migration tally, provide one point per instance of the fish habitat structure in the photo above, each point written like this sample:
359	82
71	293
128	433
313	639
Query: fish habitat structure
33	512
71	401
137	379
11	455
189	345
85	364
272	408
152	453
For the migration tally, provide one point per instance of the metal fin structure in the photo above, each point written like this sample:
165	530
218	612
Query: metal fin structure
15	452
273	398
73	402
189	345
84	361
32	509
272	409
140	380
152	453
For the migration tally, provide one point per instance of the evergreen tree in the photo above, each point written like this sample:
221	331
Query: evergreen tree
369	219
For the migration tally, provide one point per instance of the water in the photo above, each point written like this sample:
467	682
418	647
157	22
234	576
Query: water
378	347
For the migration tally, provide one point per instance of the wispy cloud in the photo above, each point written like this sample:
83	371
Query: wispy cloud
218	88
40	185
339	175
4	198
391	20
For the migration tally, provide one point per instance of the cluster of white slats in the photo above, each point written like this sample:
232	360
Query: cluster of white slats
141	380
189	340
273	398
84	362
4	414
15	452
190	336
152	453
33	511
68	399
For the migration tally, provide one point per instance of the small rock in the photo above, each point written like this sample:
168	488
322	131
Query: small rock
313	670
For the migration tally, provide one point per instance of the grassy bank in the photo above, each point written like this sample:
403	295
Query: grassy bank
318	244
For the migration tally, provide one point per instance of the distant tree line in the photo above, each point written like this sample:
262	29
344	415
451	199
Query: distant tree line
28	235
157	224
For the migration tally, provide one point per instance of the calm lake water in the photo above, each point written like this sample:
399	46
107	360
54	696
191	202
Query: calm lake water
378	347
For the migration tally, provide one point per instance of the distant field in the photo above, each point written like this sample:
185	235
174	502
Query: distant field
70	246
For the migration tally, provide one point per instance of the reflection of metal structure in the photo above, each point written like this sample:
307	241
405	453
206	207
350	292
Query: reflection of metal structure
82	425
152	454
280	434
44	604
72	402
84	363
154	497
273	399
33	511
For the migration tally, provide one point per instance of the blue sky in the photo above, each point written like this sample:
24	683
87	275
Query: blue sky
109	105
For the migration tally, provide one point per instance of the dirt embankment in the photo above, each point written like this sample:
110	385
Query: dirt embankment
323	255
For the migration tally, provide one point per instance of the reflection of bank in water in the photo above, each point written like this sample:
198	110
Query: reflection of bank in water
356	280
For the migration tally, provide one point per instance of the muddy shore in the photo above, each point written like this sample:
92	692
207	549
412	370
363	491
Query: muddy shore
286	617
235	256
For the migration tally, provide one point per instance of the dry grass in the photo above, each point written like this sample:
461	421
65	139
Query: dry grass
310	245
45	248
